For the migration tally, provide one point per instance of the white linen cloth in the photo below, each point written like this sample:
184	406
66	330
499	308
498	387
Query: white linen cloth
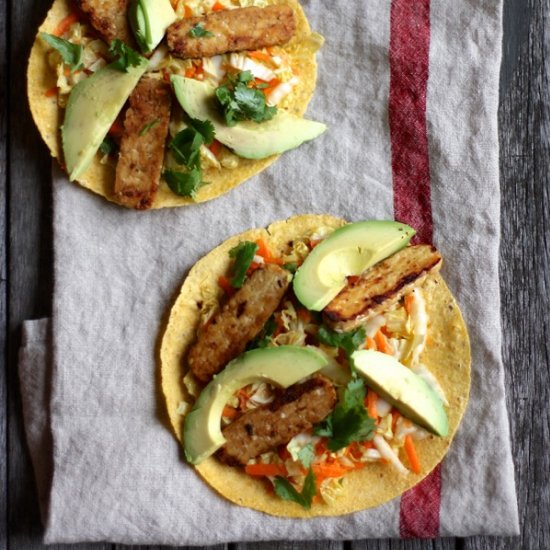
114	471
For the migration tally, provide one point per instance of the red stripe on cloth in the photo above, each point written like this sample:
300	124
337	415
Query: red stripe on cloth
409	69
409	66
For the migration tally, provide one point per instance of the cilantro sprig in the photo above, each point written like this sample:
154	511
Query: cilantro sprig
198	31
285	490
349	421
240	102
348	341
263	338
185	148
244	254
70	53
125	56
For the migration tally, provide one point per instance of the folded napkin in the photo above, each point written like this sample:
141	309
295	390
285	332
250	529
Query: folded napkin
409	91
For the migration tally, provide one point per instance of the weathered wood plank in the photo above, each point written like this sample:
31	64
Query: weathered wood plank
394	544
525	276
317	545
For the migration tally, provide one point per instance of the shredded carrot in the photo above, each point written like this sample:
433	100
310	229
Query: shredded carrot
116	129
215	147
371	399
304	315
322	471
272	84
352	279
394	418
283	453
264	252
411	455
65	24
260	56
188	12
371	344
382	343
313	243
190	72
243	398
174	3
165	75
218	7
51	92
409	299
368	444
265	469
229	412
320	447
355	450
226	285
252	268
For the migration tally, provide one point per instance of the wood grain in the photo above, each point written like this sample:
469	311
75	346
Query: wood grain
26	276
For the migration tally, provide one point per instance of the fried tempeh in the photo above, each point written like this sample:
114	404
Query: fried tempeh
234	30
293	411
108	18
238	321
142	148
381	285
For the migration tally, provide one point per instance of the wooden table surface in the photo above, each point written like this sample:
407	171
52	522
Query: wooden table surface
26	276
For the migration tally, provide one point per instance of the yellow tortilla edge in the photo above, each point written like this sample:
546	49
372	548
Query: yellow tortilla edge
99	178
448	358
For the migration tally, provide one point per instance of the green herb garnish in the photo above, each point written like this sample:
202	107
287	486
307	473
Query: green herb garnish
148	126
108	146
244	254
184	184
263	339
349	421
348	341
240	102
286	490
198	31
71	53
126	56
291	266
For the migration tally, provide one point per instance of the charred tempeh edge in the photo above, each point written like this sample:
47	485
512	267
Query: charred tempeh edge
293	411
108	18
143	141
241	319
381	285
234	30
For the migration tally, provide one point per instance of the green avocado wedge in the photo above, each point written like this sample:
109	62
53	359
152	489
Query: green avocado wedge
281	366
405	390
247	139
149	20
92	108
349	250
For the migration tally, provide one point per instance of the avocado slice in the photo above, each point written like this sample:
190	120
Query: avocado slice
281	366
406	391
149	20
247	139
92	108
349	250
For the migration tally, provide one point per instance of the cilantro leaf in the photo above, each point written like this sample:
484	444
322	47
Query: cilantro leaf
198	31
349	421
286	490
71	53
108	146
148	126
348	341
263	338
186	147
205	128
184	184
291	266
244	254
126	56
239	102
306	455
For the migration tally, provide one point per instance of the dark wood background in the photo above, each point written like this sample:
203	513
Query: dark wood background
26	275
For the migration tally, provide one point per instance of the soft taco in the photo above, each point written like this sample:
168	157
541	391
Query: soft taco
166	103
320	409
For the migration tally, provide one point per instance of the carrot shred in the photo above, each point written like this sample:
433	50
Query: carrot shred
190	72
65	24
265	469
218	7
51	92
260	56
394	418
187	12
224	283
411	455
323	471
382	343
409	299
264	252
371	399
283	453
304	314
313	243
371	344
229	412
215	147
368	444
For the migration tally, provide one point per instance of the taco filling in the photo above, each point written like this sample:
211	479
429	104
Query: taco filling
372	405
171	102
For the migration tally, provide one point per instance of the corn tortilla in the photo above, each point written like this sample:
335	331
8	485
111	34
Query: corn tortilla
447	357
100	178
